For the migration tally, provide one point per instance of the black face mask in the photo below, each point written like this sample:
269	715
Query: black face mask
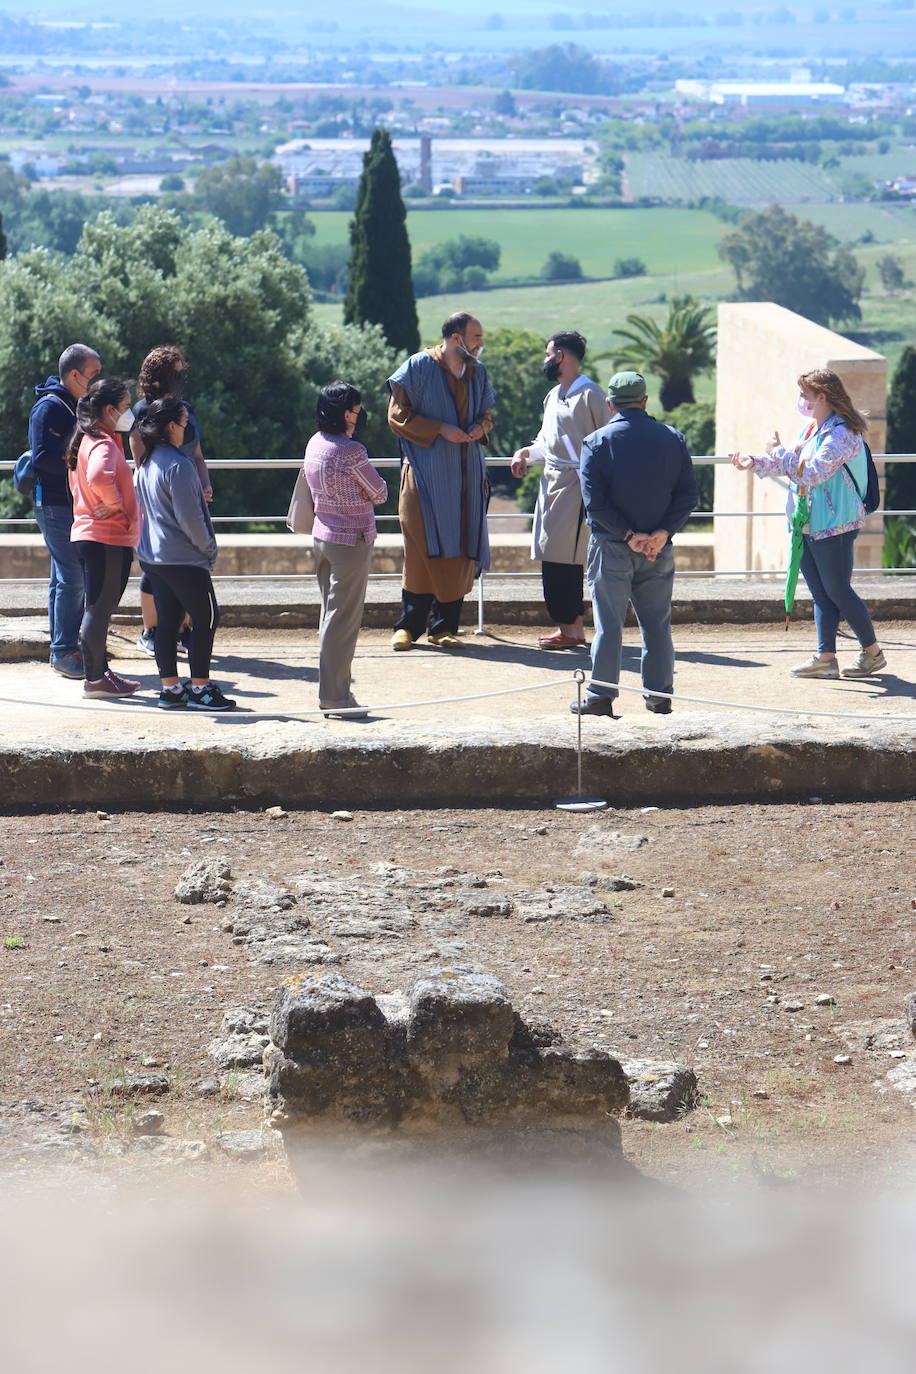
179	381
362	420
551	369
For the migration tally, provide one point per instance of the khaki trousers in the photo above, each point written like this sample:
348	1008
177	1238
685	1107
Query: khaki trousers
343	574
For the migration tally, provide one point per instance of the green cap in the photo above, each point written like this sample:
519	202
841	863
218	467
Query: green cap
626	388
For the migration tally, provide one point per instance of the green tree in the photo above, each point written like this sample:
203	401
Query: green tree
2	240
629	267
459	264
676	351
890	270
239	310
561	267
797	264
241	192
900	489
514	361
564	67
697	423
380	290
504	104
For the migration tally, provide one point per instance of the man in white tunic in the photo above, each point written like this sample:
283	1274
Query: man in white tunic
574	408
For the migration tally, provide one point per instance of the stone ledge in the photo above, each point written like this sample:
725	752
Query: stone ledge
692	756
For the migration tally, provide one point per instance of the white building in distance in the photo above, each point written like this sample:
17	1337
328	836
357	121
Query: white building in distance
748	93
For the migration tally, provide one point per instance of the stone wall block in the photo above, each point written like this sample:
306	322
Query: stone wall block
448	1057
328	1019
457	1014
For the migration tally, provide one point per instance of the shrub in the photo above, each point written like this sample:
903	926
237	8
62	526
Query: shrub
562	267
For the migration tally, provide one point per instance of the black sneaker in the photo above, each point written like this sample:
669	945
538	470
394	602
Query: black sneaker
659	706
184	639
146	642
209	698
173	700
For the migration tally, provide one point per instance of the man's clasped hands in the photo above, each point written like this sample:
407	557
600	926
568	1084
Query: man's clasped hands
649	545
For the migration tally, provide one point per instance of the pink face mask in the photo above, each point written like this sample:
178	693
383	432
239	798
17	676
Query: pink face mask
804	406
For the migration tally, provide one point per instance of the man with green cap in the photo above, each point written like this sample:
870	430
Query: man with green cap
638	487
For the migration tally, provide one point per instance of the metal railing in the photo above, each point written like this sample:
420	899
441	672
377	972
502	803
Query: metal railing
293	464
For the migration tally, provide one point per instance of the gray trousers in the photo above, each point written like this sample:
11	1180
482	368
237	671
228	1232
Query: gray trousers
343	574
617	575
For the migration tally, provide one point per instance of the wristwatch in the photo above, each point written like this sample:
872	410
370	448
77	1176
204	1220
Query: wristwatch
628	536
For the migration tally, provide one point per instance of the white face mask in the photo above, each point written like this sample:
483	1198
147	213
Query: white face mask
804	406
125	422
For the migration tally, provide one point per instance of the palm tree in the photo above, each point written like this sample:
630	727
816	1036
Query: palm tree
676	351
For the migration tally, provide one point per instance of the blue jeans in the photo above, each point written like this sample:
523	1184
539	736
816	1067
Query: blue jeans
65	588
826	566
616	576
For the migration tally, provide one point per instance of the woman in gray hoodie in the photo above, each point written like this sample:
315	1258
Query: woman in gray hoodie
178	550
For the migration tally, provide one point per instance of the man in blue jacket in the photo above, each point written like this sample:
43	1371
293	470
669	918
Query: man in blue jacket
638	486
51	424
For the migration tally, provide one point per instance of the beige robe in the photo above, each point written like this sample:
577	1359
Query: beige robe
559	533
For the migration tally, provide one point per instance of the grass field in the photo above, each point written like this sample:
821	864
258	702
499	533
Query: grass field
678	245
666	240
890	224
881	166
598	309
739	180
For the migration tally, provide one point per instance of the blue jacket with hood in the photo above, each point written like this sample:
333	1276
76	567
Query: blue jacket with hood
51	423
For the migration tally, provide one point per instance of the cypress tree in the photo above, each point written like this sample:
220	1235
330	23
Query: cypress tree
380	289
901	432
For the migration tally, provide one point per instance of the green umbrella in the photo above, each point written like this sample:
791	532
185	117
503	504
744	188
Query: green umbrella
800	517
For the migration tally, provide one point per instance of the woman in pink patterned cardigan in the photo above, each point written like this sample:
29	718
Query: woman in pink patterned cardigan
345	487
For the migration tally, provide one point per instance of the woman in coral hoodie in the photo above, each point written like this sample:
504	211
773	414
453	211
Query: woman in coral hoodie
106	524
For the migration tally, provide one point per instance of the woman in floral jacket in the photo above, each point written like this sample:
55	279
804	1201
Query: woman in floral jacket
828	463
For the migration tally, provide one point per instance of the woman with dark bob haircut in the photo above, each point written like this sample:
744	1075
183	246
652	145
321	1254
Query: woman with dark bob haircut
164	372
345	487
177	551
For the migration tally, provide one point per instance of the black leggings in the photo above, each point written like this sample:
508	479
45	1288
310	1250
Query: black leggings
106	568
177	588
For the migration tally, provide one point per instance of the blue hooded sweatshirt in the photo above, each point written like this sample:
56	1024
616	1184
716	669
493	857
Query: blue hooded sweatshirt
51	423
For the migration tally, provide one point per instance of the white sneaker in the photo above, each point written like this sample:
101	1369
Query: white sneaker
866	665
816	667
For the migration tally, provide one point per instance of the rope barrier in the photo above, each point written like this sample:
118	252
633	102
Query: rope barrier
768	710
795	711
282	715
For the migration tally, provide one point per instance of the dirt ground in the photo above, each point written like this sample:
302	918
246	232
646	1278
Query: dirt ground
103	973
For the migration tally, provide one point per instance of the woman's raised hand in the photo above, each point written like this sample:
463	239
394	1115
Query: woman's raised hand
775	442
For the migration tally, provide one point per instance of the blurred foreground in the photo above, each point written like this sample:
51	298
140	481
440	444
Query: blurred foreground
454	1268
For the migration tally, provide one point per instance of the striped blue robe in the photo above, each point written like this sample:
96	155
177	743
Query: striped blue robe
450	478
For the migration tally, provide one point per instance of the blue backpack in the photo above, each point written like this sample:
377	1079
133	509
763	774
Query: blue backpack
872	497
24	475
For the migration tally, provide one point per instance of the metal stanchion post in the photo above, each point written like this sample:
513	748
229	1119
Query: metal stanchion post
578	802
480	630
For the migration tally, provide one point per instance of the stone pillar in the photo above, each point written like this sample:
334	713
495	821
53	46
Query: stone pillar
762	349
